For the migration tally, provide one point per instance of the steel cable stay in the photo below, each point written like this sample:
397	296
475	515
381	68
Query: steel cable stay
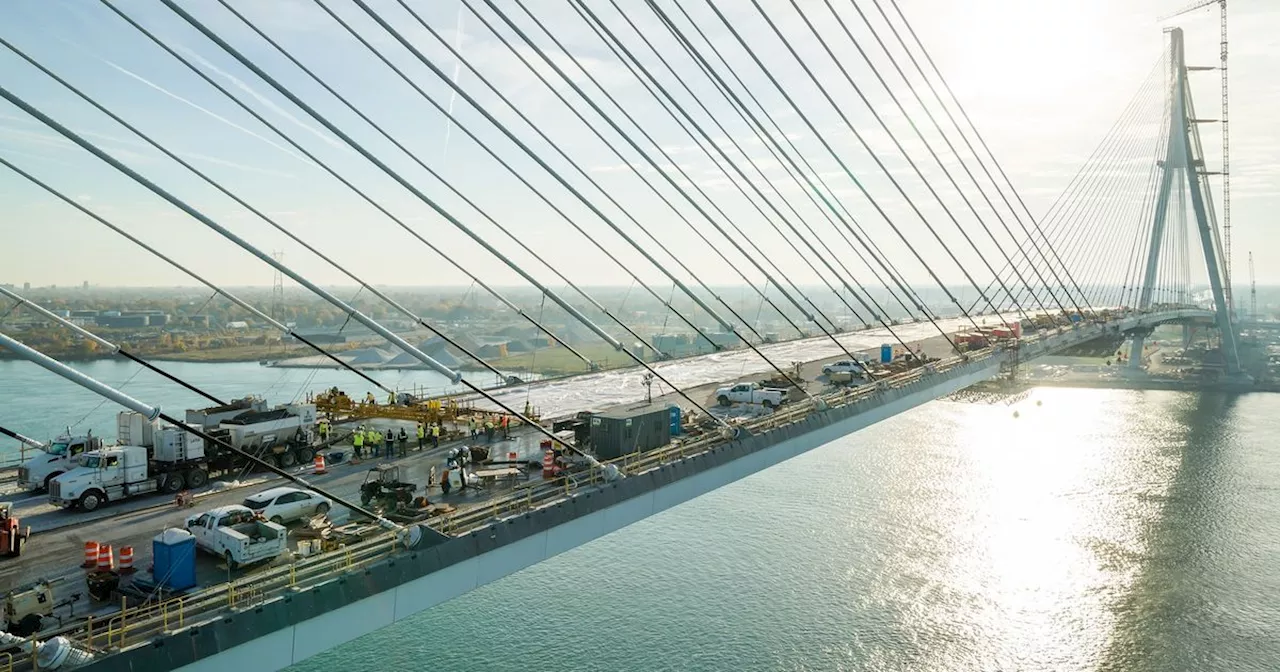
1097	186
683	174
614	44
268	219
965	115
503	129
826	194
1094	187
875	157
963	162
929	146
415	157
702	211
1133	268
1099	181
1018	307
708	69
485	80
368	322
442	212
153	412
533	155
665	155
102	342
1051	226
197	277
631	64
835	155
363	195
876	313
658	169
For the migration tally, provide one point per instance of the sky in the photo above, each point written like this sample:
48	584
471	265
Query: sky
1043	82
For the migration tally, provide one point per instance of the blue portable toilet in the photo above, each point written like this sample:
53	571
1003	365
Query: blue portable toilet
886	353
675	420
173	553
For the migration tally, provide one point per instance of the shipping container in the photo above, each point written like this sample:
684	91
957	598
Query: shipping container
624	430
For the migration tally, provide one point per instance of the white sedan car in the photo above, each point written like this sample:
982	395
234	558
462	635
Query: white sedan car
283	505
843	366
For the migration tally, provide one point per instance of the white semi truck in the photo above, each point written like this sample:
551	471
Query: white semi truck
120	472
54	458
152	459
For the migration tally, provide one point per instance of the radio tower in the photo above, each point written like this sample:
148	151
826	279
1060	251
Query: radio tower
277	289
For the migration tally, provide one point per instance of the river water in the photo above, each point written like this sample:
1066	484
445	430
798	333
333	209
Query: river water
1097	530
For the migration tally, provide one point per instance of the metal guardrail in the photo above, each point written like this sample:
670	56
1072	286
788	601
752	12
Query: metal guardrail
134	626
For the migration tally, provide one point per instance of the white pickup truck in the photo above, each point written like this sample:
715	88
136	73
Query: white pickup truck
751	393
235	534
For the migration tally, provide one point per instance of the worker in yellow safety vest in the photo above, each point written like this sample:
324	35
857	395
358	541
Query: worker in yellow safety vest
368	398
422	433
391	398
357	443
435	435
471	425
324	430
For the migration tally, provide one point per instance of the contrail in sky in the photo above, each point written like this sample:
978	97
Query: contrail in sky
453	94
207	111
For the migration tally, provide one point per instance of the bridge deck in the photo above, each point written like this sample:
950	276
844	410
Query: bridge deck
535	501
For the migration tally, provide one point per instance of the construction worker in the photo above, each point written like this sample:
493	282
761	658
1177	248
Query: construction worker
488	430
368	399
435	435
422	433
391	398
324	430
403	441
471	426
506	427
390	442
357	443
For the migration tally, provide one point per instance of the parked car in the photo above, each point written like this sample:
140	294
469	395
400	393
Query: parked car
284	505
844	366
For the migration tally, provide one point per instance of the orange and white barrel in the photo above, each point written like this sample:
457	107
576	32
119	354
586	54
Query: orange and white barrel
105	559
548	464
90	555
126	559
320	466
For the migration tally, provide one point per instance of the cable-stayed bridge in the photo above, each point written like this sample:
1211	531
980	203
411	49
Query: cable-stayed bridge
891	190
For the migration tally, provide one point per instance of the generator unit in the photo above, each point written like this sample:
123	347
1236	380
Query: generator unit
628	429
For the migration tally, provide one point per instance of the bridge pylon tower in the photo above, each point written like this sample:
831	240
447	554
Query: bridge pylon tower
1181	173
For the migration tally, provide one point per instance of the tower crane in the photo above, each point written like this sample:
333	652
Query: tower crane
1226	136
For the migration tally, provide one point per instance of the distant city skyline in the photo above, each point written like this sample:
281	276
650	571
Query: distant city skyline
1042	83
